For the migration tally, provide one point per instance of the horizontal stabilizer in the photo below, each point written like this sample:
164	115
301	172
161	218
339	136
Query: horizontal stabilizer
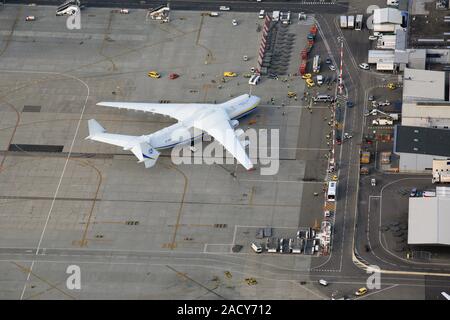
94	128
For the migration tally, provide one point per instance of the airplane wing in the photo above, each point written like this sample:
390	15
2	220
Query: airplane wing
217	124
179	111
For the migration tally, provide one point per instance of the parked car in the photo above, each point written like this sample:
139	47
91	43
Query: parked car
30	18
310	83
332	67
361	291
413	192
229	74
391	86
364	66
124	11
307	76
371	98
173	76
234	22
373	182
254	80
154	74
371	38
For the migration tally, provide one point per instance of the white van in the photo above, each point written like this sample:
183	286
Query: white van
323	98
392	3
213	14
261	14
323	282
256	247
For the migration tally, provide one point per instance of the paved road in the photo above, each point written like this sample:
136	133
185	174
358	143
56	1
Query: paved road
235	5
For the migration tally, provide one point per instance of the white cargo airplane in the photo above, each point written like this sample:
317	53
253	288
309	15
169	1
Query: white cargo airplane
218	120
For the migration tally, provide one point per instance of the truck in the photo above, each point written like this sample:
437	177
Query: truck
302	68
365	157
285	17
386	157
382	122
316	64
359	22
374	112
276	16
441	177
304	54
343	22
351	22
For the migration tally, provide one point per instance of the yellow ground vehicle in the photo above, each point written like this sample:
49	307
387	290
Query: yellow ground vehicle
291	94
229	74
361	292
154	74
310	83
391	86
365	157
307	76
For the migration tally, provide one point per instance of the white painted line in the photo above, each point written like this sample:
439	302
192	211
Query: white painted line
65	164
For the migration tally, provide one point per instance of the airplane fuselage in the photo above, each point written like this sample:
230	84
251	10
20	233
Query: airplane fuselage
179	133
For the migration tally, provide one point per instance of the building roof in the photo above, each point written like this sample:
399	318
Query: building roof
417	58
387	15
400	39
378	56
401	56
423	85
422	140
429	220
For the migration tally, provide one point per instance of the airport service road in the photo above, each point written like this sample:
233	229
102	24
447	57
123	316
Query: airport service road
356	83
156	275
237	6
347	155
